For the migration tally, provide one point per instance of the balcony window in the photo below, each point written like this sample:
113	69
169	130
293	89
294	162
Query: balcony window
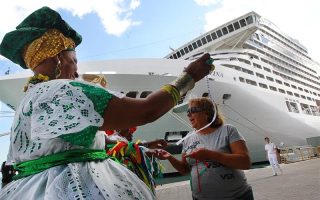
144	94
206	94
249	19
194	45
251	82
266	69
219	33
208	37
132	94
257	66
186	50
236	25
273	88
230	28
243	22
275	72
259	75
224	31
270	79
199	43
175	56
203	40
305	109
289	93
182	52
315	110
214	35
263	85
292	107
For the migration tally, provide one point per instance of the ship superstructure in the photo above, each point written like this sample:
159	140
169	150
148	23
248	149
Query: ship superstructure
262	51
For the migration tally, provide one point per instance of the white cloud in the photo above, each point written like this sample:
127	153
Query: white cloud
206	2
134	4
114	14
116	19
298	19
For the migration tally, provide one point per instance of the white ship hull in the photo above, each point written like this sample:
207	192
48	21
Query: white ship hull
255	111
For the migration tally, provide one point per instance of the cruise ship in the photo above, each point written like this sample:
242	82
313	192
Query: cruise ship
264	83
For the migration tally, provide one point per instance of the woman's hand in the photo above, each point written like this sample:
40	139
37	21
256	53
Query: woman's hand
238	158
199	154
199	68
159	143
161	154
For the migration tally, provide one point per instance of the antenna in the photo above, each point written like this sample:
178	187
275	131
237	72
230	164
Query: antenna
8	71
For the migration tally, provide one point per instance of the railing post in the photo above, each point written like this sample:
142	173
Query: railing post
301	153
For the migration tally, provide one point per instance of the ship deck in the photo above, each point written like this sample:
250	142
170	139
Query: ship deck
300	180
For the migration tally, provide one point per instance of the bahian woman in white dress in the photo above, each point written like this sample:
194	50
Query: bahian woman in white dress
55	145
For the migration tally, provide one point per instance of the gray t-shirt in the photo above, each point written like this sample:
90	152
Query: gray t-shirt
210	179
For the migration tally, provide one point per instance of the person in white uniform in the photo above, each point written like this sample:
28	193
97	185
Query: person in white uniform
271	150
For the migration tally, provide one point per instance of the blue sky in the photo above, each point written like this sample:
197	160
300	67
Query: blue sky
119	29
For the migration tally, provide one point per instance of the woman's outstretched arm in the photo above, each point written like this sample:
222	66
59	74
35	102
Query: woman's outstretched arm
127	112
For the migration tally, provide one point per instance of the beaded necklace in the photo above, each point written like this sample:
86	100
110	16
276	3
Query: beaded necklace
37	78
210	93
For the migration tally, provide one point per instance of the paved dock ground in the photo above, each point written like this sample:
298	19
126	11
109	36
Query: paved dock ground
299	181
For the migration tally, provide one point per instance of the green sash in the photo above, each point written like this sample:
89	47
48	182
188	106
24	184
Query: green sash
31	167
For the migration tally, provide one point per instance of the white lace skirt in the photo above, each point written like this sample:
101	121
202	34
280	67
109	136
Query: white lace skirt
86	180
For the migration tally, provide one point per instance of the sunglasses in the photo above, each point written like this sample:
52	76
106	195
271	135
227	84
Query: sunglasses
195	110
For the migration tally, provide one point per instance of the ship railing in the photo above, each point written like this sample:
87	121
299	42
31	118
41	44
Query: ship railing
298	153
306	111
293	109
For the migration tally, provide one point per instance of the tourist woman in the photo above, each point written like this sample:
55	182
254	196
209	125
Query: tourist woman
214	156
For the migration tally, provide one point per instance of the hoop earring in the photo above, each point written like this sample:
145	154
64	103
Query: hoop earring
58	70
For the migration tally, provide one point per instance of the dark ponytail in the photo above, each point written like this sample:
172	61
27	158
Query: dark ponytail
7	172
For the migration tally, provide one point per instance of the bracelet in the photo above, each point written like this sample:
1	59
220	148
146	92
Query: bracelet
173	91
210	62
145	144
184	83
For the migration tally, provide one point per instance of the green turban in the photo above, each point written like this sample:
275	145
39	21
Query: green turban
32	28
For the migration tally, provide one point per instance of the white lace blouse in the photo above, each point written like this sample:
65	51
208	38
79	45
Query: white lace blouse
61	115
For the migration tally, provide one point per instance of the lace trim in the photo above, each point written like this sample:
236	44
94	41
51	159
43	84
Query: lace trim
37	78
97	95
100	99
82	138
